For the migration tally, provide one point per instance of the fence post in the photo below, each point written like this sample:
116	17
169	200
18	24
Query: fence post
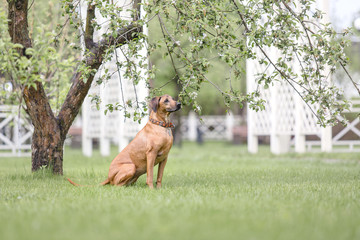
300	140
192	125
17	123
121	128
229	125
326	133
104	146
104	138
279	142
86	141
326	139
252	138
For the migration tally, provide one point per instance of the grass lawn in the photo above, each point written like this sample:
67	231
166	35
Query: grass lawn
215	191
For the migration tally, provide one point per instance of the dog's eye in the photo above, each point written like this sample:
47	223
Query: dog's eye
166	101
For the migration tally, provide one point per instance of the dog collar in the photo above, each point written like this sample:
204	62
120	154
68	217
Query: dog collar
162	124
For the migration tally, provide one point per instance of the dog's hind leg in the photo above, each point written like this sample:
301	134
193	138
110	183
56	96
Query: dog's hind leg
132	181
125	174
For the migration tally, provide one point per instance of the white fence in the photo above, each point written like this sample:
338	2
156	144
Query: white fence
342	144
211	127
15	133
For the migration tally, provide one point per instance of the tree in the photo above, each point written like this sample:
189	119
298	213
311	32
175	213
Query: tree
50	130
194	33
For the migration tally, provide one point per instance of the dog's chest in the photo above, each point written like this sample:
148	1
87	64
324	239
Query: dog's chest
161	156
163	153
164	140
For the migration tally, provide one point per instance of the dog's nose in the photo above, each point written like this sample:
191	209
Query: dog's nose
178	104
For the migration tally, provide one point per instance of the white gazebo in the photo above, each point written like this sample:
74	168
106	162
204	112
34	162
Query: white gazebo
112	127
285	114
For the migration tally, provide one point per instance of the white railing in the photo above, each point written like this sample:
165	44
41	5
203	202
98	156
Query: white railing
210	127
15	133
338	141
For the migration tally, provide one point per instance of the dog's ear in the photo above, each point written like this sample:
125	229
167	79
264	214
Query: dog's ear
154	103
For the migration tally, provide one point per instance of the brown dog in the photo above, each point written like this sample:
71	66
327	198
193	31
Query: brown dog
151	146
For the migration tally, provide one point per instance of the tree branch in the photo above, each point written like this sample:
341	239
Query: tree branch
93	60
136	7
349	76
167	46
89	28
306	30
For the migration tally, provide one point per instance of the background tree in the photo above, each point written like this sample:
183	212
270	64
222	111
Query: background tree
231	31
195	37
208	97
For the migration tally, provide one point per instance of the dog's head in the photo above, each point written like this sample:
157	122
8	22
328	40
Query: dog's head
164	103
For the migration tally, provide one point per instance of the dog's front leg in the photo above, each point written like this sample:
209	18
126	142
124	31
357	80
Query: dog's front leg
150	161
160	173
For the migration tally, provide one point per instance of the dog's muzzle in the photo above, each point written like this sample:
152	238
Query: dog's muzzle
178	106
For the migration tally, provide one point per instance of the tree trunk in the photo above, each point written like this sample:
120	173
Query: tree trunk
49	135
47	151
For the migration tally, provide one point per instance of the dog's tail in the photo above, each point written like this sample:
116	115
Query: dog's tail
107	181
75	184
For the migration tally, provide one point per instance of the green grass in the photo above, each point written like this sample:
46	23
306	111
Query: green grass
215	191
